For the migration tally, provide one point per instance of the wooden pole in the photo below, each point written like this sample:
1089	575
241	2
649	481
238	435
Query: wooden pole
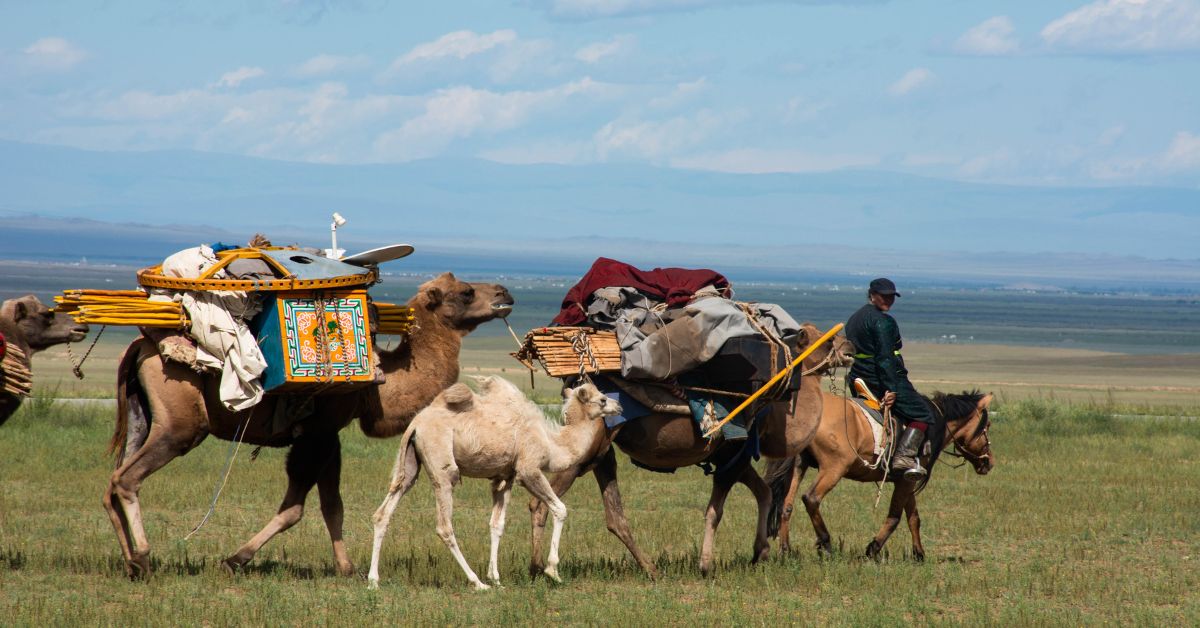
778	376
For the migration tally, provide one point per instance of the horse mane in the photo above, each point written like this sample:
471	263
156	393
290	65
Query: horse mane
947	407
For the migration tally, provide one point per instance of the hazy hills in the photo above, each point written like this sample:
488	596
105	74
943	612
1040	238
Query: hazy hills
65	203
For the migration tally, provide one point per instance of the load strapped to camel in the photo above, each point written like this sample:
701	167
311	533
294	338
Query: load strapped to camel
271	319
669	340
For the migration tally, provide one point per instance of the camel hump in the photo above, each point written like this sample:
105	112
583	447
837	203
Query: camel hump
459	396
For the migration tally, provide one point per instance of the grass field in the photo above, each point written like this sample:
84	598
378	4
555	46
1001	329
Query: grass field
1087	519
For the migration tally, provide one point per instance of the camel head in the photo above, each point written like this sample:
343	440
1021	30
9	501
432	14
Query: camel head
835	353
587	403
463	305
39	326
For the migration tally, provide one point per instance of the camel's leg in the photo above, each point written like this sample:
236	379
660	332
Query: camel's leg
789	502
404	475
501	490
712	519
762	494
306	463
539	511
121	499
535	482
900	496
827	478
330	492
914	526
614	510
443	491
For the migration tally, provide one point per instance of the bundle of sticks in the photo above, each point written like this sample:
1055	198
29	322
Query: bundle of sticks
121	307
567	350
394	319
17	378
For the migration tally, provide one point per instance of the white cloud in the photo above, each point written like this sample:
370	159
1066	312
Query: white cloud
53	53
600	9
801	109
994	36
1111	135
681	93
457	45
461	112
595	52
1127	26
232	79
767	160
913	79
654	139
325	64
1183	153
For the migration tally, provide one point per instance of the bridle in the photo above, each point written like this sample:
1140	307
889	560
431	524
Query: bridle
976	460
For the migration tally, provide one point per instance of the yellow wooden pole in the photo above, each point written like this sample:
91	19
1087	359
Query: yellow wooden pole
778	376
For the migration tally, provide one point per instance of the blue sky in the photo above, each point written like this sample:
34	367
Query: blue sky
1048	92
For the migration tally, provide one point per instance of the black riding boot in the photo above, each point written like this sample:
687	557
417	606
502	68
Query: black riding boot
905	461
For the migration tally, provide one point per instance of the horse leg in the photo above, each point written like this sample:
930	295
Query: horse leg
330	492
789	501
914	526
122	502
827	478
501	490
404	475
538	511
535	482
614	510
900	496
305	465
712	519
762	494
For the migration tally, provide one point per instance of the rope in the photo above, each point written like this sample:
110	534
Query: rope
233	449
77	367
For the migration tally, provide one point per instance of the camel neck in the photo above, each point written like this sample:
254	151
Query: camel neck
573	441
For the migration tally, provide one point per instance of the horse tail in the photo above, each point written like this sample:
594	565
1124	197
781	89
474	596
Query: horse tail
778	477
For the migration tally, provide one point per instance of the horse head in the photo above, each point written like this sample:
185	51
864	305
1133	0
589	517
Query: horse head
968	428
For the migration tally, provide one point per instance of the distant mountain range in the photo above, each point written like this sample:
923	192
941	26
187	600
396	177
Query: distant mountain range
62	203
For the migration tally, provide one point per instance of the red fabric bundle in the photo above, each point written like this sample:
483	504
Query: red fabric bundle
673	285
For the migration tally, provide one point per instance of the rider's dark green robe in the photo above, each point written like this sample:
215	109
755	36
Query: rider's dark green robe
877	360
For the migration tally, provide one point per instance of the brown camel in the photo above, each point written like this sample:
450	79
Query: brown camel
672	441
29	326
165	409
844	448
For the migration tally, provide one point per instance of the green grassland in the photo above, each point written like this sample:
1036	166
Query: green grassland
1087	519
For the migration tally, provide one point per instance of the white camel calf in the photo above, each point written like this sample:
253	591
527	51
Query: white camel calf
501	435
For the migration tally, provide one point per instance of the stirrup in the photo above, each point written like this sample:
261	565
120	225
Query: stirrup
916	472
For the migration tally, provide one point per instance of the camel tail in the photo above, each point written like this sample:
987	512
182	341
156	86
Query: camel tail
778	477
407	461
128	397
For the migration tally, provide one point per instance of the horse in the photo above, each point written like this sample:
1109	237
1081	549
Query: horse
844	444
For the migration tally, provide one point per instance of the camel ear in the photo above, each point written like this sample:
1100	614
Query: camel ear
433	297
15	310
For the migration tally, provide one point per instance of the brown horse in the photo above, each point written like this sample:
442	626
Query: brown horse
165	409
672	441
844	445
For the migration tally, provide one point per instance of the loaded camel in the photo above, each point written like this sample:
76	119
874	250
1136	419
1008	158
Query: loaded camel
27	326
165	409
498	435
672	441
843	447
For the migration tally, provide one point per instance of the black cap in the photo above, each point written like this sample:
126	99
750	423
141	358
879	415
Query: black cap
883	285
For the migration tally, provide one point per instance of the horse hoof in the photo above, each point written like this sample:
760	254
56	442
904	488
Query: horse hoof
233	565
346	570
873	549
918	556
137	570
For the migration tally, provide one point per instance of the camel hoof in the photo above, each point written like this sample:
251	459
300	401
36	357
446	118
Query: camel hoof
138	570
372	585
479	586
233	565
761	556
535	570
346	570
552	573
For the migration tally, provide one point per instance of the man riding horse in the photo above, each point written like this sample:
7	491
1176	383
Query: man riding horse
876	338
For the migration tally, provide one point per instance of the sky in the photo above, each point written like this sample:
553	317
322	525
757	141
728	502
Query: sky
1046	93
